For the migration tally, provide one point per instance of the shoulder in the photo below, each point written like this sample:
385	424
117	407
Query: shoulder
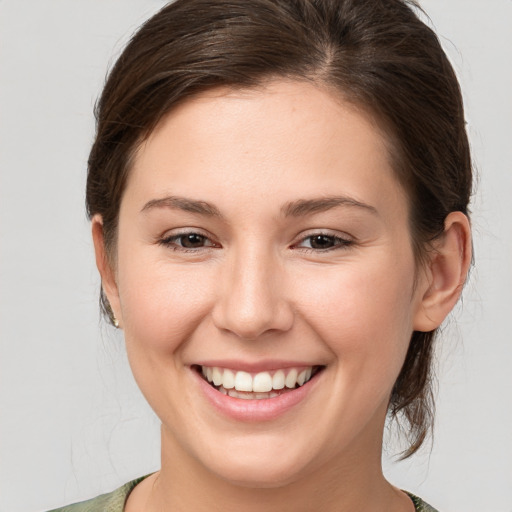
419	504
111	502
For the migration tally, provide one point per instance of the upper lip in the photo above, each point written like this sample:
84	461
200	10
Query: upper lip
256	366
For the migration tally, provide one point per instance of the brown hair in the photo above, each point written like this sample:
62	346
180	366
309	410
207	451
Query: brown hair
376	53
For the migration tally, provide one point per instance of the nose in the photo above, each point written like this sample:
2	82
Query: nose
252	298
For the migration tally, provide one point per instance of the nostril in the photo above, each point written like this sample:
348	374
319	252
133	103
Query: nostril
253	307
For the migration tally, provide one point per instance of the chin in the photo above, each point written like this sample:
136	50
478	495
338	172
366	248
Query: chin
258	474
260	463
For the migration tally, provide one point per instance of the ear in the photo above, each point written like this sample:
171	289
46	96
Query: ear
445	273
107	273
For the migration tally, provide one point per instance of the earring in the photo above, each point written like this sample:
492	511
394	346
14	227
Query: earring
111	315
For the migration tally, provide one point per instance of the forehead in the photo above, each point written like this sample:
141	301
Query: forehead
307	105
284	137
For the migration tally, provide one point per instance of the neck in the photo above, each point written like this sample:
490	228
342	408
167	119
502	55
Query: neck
354	483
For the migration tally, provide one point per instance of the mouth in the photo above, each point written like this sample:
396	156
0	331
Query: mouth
256	386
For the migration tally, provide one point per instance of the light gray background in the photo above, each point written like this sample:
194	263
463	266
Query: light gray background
72	422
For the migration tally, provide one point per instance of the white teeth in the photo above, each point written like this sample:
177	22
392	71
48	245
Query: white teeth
301	378
248	396
262	382
244	396
243	381
291	379
228	379
217	376
260	385
278	380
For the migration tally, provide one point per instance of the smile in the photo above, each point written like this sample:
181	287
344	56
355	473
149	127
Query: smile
257	386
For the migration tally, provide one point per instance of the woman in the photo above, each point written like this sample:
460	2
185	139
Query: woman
279	200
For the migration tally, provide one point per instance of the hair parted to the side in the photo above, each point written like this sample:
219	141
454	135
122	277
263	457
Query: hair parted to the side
376	54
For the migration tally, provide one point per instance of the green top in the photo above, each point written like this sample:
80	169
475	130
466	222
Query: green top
114	501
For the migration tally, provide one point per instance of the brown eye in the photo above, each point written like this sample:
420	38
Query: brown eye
187	242
323	242
192	240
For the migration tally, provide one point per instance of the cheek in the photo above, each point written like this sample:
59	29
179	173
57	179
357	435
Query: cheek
363	312
161	304
161	308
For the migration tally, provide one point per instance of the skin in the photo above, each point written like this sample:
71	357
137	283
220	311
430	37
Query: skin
257	289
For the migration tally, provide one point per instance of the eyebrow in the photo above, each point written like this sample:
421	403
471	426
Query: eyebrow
303	207
298	208
185	204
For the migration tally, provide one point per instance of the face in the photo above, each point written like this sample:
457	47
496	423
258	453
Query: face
263	241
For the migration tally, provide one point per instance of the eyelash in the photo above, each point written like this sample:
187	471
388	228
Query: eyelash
339	242
170	242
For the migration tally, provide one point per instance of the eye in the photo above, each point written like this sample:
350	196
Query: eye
187	241
324	242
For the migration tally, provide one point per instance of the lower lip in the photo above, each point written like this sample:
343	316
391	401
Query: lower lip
263	409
